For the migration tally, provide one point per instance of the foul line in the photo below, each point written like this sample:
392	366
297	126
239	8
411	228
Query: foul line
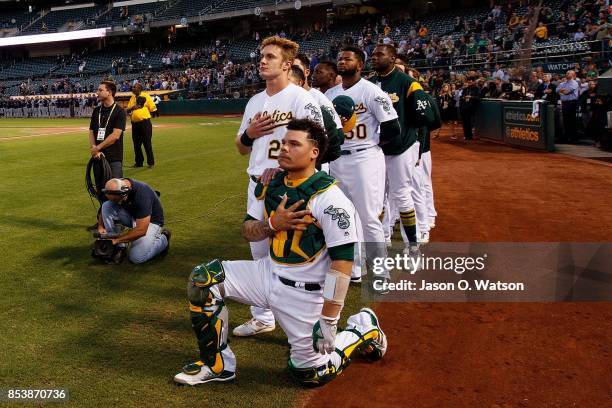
6	139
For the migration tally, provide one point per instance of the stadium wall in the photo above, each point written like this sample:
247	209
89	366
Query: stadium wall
514	124
203	107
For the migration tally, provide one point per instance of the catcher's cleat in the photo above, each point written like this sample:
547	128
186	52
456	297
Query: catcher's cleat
252	327
198	373
375	349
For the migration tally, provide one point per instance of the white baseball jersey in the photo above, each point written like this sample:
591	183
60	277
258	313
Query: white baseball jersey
372	106
323	101
292	102
335	215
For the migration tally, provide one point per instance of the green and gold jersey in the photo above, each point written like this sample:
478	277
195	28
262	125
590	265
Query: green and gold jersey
412	104
302	255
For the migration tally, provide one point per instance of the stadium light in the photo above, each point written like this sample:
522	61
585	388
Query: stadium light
54	37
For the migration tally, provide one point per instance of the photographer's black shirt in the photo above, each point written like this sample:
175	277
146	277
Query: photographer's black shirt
143	202
117	120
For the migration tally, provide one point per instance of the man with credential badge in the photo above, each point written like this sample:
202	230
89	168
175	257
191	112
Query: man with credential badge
106	129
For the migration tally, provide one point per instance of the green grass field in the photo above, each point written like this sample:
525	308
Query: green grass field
115	335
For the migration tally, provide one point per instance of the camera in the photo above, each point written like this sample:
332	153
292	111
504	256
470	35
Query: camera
104	250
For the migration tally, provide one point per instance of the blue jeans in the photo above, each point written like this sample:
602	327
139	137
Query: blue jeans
142	249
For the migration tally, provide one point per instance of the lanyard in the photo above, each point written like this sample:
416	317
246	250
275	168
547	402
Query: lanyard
107	119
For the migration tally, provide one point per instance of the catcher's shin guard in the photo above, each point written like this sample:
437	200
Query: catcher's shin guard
208	316
314	376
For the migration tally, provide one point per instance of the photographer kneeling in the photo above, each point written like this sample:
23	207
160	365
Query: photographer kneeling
135	205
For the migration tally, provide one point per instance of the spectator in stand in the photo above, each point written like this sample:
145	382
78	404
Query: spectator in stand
533	85
489	25
572	25
541	32
446	105
499	73
587	103
568	92
491	90
547	90
423	31
514	21
469	99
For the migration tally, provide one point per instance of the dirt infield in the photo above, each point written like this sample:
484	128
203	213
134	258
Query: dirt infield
502	354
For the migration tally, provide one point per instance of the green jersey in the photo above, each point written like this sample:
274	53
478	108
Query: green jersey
303	255
412	104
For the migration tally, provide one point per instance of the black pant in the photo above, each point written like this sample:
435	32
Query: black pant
142	134
116	172
569	120
466	120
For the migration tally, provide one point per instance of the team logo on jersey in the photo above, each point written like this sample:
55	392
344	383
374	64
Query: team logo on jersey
385	103
279	118
314	113
339	214
360	108
422	105
394	97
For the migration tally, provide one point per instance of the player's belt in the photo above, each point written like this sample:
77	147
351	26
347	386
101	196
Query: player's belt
353	151
310	287
254	178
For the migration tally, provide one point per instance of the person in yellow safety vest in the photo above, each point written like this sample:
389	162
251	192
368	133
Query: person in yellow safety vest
140	108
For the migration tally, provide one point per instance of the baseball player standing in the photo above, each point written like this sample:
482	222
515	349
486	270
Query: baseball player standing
304	280
333	127
324	76
303	62
327	108
361	167
263	127
401	159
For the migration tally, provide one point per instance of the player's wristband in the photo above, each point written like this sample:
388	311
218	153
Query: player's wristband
335	287
246	140
270	224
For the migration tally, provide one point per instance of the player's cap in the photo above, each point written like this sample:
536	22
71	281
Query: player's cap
345	107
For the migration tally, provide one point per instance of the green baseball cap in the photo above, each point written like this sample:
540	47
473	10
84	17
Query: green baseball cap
345	108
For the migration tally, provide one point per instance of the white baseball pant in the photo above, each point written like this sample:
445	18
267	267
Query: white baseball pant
361	177
428	185
259	250
295	309
406	191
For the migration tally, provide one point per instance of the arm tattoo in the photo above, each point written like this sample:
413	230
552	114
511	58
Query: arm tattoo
254	231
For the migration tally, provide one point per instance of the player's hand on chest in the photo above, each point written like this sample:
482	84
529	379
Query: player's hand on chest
291	215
